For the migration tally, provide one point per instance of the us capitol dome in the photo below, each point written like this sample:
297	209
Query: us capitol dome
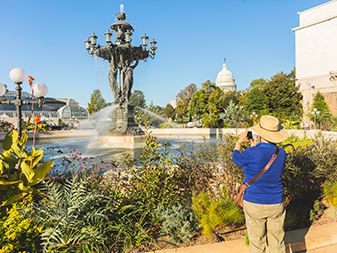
225	79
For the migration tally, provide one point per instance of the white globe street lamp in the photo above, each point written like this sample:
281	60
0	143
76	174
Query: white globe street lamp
18	75
40	90
315	113
2	89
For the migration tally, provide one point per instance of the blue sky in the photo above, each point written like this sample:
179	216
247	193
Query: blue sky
45	38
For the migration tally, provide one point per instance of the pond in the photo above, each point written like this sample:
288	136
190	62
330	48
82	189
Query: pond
55	149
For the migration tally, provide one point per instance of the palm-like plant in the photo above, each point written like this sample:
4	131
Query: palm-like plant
71	216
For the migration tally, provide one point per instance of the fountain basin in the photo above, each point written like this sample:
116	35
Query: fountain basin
130	142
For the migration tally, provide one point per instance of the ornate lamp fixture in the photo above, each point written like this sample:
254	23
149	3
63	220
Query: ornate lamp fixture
40	90
122	56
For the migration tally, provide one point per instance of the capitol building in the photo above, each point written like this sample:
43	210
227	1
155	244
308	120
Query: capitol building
225	79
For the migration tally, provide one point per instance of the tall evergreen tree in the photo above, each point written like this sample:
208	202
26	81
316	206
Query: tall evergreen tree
97	102
169	111
137	98
322	107
183	99
230	96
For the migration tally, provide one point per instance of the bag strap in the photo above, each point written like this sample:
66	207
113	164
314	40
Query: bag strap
265	168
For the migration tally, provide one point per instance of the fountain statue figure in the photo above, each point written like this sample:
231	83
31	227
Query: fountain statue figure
123	58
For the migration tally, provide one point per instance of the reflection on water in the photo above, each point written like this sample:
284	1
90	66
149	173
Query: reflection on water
51	146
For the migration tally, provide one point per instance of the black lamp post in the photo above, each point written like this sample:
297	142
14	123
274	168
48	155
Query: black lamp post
40	90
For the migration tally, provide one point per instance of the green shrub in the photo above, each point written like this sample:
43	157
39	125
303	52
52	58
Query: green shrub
213	213
19	233
207	166
317	210
178	222
129	225
308	165
71	216
5	126
20	170
154	180
131	228
330	191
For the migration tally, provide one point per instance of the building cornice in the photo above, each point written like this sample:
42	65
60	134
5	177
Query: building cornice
314	23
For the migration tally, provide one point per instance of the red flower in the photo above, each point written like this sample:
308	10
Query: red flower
37	120
31	79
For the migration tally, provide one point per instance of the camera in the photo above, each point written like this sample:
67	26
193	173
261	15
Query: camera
249	136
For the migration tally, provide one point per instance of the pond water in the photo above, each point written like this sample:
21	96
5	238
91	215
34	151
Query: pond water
55	149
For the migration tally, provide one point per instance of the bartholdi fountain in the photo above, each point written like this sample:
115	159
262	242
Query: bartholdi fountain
123	58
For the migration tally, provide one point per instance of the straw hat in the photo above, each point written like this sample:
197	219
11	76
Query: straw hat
270	129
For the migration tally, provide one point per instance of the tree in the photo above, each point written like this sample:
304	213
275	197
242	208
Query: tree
152	115
284	98
207	103
169	111
230	115
319	103
256	102
258	83
183	99
97	102
230	96
323	109
137	98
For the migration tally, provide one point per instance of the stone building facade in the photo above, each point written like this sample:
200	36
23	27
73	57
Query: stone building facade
316	54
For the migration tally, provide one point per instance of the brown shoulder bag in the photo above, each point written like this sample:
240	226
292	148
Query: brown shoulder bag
242	188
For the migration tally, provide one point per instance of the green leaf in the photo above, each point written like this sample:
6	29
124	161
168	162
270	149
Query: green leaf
14	177
1	167
18	151
11	137
23	139
41	172
4	182
8	160
13	199
29	173
24	188
37	155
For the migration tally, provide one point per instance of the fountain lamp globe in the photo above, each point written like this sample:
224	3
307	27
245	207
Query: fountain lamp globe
2	89
18	75
40	89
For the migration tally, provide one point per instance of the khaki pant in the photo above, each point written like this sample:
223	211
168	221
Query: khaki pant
265	224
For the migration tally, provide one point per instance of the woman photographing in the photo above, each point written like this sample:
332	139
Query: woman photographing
263	199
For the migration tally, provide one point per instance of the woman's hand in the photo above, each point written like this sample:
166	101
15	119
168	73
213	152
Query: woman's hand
252	142
243	137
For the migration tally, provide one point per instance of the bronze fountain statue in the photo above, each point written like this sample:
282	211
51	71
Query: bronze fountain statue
123	58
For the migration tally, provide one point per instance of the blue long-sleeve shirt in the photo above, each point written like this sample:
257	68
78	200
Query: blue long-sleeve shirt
268	188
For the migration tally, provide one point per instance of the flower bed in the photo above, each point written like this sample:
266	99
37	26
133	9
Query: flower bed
162	199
